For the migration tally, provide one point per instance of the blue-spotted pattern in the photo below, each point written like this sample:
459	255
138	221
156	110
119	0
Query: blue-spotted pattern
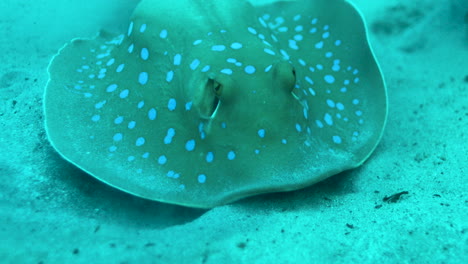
200	113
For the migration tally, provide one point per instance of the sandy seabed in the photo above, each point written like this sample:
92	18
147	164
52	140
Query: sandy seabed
51	212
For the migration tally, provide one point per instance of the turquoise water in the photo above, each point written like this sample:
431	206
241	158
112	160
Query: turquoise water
406	203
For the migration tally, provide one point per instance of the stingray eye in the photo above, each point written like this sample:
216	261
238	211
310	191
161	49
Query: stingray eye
294	79
217	89
285	76
207	98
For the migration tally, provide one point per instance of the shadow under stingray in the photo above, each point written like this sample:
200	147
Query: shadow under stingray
312	197
91	198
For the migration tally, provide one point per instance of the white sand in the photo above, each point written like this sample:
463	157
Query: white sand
51	212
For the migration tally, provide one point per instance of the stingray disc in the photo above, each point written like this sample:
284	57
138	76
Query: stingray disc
201	103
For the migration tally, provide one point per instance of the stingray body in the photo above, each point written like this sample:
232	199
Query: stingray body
201	103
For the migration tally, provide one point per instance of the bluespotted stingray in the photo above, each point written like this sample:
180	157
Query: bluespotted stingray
204	102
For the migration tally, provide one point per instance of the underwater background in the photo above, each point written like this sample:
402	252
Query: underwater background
407	204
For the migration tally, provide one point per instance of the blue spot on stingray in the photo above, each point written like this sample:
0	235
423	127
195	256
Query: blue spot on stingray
143	78
170	76
264	24
231	155
130	29
328	119
206	68
144	54
118	120
218	48
252	30
188	106
261	133
226	71
312	91
236	45
99	105
201	130
118	137
131	125
195	63
120	68
109	62
340	106
95	118
250	69
140	141
298	128
177	59
209	157
171	105
298	37
163	34
162	159
190	145
123	94
269	51
293	45
201	178
143	28
111	88
337	139
152	113
130	48
329	78
170	134
319	45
